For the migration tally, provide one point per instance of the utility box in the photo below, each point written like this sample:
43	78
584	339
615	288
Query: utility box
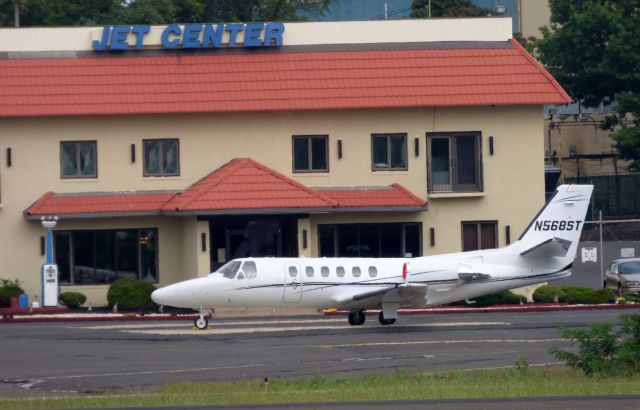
50	285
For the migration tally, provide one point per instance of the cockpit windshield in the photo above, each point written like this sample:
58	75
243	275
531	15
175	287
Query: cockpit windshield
229	269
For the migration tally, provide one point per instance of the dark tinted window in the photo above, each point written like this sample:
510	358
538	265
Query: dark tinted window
310	153
161	157
389	151
78	159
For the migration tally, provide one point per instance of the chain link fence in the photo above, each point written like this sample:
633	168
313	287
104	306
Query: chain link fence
602	242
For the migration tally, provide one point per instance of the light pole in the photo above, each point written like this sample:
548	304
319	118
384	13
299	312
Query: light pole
49	268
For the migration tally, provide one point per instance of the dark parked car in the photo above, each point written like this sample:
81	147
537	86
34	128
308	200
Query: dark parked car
623	276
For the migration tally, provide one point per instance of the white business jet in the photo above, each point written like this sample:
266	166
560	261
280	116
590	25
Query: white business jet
544	252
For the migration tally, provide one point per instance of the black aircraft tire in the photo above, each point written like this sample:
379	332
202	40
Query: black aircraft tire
201	323
357	317
384	321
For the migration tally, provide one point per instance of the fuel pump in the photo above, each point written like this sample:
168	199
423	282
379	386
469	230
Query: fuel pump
50	289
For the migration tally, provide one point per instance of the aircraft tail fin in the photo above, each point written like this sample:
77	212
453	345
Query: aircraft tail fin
556	230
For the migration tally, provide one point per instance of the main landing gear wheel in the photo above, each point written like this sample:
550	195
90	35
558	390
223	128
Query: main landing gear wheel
384	321
201	323
357	317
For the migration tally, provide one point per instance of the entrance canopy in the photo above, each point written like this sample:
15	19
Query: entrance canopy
241	186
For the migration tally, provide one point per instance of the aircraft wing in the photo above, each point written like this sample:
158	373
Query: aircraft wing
405	294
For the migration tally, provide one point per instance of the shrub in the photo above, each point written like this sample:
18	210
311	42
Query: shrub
602	351
573	295
501	298
547	294
9	289
72	299
131	294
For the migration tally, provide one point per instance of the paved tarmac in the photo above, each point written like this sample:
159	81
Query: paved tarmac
45	358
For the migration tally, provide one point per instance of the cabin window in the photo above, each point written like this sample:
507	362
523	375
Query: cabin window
373	272
309	271
355	271
240	276
249	269
230	269
340	271
324	271
293	271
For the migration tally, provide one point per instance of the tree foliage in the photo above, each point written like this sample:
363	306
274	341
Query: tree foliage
447	8
592	47
603	351
113	12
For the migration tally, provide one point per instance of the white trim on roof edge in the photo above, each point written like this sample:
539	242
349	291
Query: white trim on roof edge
62	39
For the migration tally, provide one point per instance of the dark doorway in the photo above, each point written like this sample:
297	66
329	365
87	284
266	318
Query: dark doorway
252	236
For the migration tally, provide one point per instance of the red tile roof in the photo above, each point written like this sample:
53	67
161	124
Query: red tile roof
504	74
136	203
243	183
240	186
394	195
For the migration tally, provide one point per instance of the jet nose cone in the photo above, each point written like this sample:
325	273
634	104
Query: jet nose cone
159	296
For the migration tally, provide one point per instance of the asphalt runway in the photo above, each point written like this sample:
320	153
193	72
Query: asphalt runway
48	358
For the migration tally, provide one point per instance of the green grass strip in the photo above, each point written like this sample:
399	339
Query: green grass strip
539	381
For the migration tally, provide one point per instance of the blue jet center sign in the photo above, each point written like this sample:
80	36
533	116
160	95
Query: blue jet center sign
193	36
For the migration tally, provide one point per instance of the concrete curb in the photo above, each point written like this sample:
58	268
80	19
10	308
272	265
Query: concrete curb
65	316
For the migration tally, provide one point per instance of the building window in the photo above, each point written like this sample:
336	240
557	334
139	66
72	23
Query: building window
78	159
479	235
455	162
385	240
310	153
389	152
161	157
103	256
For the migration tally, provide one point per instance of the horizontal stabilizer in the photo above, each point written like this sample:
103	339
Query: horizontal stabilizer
553	247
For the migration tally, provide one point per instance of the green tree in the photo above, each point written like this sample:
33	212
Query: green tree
99	12
592	47
447	8
58	12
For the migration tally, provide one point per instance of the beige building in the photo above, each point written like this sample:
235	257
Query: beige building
190	148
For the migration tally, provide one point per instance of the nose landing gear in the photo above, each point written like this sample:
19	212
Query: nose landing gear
357	317
201	322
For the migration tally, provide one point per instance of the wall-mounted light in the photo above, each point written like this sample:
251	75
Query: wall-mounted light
304	239
416	146
432	236
133	153
491	145
203	241
339	148
8	157
507	232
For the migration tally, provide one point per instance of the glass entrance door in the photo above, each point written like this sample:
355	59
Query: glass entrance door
259	239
